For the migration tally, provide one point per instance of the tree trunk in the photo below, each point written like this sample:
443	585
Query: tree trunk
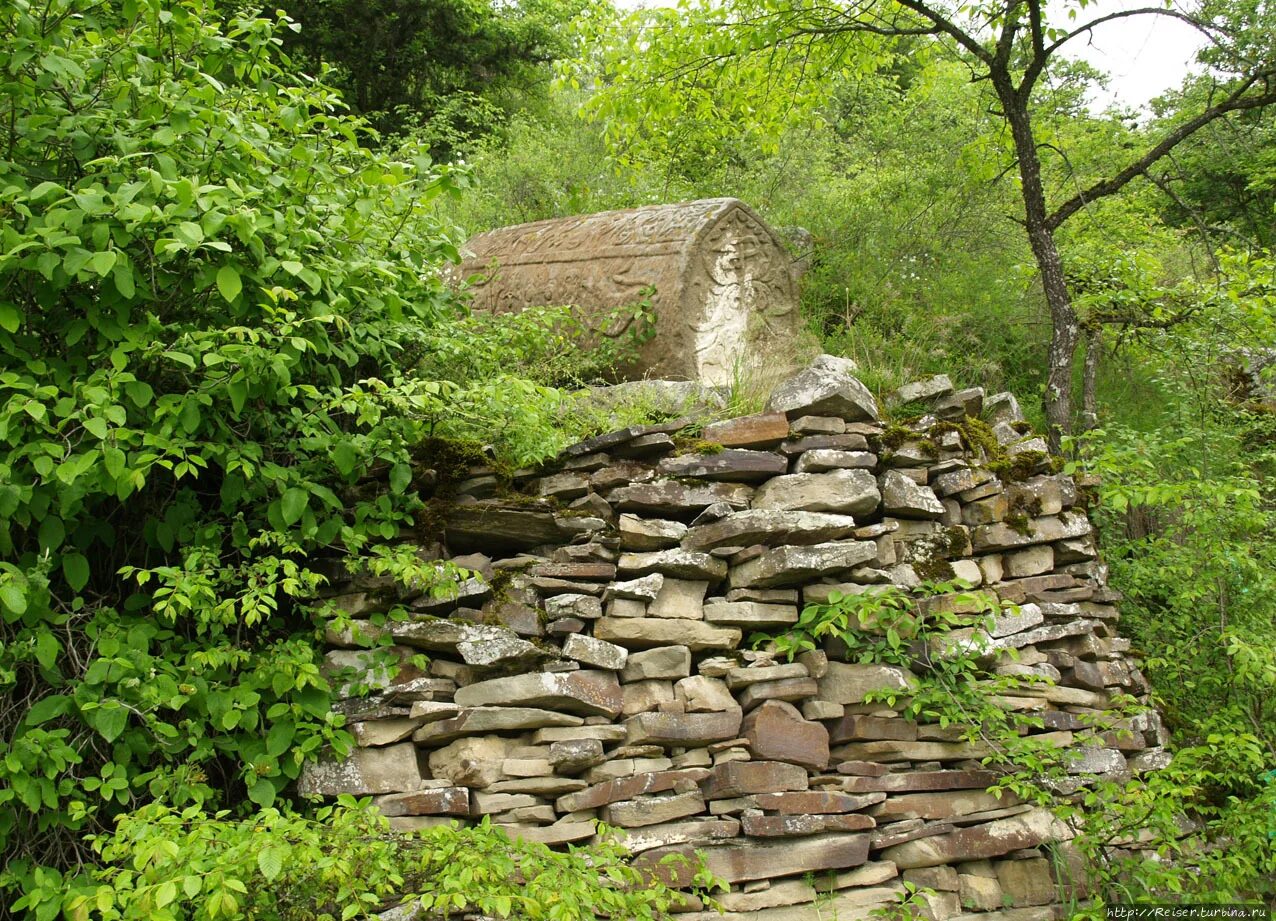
1065	329
1090	378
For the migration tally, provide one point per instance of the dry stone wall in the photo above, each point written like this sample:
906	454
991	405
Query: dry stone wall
596	666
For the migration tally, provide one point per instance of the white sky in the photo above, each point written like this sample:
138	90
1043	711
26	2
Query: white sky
1145	55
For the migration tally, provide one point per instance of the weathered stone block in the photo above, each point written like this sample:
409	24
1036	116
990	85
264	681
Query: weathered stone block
797	565
771	527
847	683
585	692
439	801
741	778
643	633
776	731
664	662
675	563
725	287
820	392
683	730
993	839
591	651
760	430
392	769
903	498
793	826
729	466
846	492
652	810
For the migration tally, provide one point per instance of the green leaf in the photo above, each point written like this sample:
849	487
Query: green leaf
262	792
52	533
270	860
400	477
238	390
102	263
14	598
47	708
47	649
110	721
123	279
280	737
10	317
294	504
96	426
75	567
344	457
228	282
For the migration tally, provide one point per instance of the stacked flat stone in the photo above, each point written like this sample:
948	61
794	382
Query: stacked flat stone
595	667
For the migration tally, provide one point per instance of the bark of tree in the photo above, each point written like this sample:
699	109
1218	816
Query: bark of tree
1090	378
1065	327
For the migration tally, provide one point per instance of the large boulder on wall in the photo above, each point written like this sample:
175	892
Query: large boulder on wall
725	301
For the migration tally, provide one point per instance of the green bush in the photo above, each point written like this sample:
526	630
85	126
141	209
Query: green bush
163	864
213	302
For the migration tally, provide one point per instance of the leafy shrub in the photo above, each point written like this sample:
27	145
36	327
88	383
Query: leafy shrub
213	302
163	864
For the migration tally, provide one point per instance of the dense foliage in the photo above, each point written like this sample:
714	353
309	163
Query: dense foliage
225	348
213	302
452	69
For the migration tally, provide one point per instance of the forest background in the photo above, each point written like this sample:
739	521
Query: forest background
225	349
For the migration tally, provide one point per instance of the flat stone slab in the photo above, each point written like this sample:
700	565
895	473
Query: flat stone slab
850	683
771	527
980	842
785	566
795	826
989	538
738	863
757	431
732	465
613	791
846	492
750	614
481	720
669	498
683	730
590	693
488	526
676	563
741	778
647	632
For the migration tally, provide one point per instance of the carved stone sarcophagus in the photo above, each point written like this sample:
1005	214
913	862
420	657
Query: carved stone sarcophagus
725	300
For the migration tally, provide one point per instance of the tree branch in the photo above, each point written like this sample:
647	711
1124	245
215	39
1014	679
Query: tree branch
1126	14
1238	101
963	38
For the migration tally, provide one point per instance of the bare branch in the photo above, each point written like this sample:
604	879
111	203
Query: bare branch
1239	101
1195	23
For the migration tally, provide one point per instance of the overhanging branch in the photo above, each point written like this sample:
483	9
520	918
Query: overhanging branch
1239	101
